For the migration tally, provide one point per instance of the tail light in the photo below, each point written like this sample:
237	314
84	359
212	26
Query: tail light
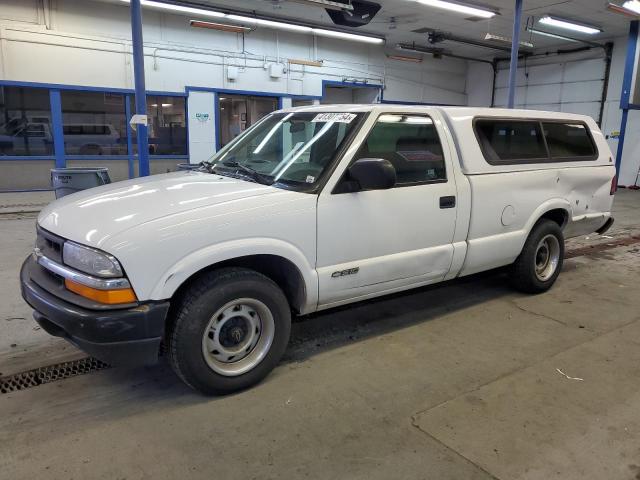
614	185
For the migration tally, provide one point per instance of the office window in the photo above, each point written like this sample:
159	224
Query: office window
167	125
236	113
411	144
94	123
511	141
566	140
25	121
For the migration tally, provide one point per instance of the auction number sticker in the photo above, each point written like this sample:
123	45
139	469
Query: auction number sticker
335	117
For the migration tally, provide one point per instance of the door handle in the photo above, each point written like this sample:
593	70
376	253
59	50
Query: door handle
448	202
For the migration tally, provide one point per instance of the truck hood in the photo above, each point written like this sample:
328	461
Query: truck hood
92	216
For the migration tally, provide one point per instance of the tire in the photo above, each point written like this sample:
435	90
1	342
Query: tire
540	262
229	330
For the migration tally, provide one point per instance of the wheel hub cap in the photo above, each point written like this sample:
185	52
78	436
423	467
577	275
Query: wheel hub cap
547	257
238	336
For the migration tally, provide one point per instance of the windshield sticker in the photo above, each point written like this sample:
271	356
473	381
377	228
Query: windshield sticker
310	179
335	117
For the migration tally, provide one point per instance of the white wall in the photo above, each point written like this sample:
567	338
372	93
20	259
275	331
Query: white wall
88	44
479	84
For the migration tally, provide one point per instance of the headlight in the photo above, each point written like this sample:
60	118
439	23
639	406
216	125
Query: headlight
91	261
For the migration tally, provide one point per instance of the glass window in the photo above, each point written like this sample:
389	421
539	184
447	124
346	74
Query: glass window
566	140
25	121
238	112
94	123
411	144
511	141
167	125
293	149
299	102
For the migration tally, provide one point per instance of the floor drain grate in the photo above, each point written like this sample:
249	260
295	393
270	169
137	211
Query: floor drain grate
51	373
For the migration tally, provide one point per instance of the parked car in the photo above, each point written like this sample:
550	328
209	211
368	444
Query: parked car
311	208
21	136
92	139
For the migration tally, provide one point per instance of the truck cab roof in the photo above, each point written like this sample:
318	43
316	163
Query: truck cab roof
449	111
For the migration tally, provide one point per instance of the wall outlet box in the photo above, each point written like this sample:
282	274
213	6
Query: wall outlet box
276	70
232	73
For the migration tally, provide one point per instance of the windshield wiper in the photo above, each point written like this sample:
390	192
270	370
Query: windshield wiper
253	174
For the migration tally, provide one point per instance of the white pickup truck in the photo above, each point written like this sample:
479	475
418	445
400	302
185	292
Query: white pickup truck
311	208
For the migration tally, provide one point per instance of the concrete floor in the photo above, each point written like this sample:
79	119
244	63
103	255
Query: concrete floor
464	380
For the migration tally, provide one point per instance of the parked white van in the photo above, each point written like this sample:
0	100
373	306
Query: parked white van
311	208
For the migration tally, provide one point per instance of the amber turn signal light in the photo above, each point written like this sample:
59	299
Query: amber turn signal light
108	297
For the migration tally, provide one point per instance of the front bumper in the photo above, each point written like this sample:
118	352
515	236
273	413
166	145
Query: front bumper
128	336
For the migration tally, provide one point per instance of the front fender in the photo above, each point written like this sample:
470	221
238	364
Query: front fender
192	263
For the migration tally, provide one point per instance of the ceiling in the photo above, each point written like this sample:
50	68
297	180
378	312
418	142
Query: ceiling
398	18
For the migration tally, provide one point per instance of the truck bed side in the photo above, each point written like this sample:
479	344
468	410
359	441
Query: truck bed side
508	200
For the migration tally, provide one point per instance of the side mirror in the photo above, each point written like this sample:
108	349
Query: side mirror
370	174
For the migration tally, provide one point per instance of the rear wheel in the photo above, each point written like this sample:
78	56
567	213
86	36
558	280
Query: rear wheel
538	265
229	331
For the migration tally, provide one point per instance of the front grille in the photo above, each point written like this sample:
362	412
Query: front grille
49	244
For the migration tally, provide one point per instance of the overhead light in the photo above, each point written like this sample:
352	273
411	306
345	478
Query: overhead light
270	23
507	40
347	36
403	58
632	5
535	31
459	8
223	27
331	5
293	27
309	63
179	8
569	25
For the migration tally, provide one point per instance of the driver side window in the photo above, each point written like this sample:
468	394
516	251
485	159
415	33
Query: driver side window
411	143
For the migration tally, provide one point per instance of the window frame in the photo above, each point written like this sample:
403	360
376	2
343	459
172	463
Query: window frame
336	188
540	121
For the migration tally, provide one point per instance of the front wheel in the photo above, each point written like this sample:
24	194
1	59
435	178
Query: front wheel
230	329
538	265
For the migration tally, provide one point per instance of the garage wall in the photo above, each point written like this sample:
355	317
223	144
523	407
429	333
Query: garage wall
566	84
87	43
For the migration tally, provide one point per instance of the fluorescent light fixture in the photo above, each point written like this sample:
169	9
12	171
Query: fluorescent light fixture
179	8
459	8
347	36
403	58
256	22
569	25
270	23
326	4
632	5
508	40
223	27
535	31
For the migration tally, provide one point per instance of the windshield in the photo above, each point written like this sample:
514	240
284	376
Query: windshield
287	149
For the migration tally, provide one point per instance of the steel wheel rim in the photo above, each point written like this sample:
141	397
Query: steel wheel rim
238	336
547	257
